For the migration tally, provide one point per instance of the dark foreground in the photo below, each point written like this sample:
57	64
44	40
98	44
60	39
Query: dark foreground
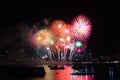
97	72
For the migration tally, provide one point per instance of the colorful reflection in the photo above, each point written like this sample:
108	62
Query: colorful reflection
83	77
65	75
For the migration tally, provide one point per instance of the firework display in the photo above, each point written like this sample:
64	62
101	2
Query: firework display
42	37
61	41
81	28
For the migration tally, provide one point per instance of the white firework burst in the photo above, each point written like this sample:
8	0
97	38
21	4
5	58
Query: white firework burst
81	28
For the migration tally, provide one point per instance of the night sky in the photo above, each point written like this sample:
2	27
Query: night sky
104	17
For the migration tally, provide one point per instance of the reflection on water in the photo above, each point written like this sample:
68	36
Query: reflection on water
101	73
111	73
63	75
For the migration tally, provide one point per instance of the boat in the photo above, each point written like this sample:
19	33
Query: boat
55	67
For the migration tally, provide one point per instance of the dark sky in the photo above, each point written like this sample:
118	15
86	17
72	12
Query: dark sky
104	17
